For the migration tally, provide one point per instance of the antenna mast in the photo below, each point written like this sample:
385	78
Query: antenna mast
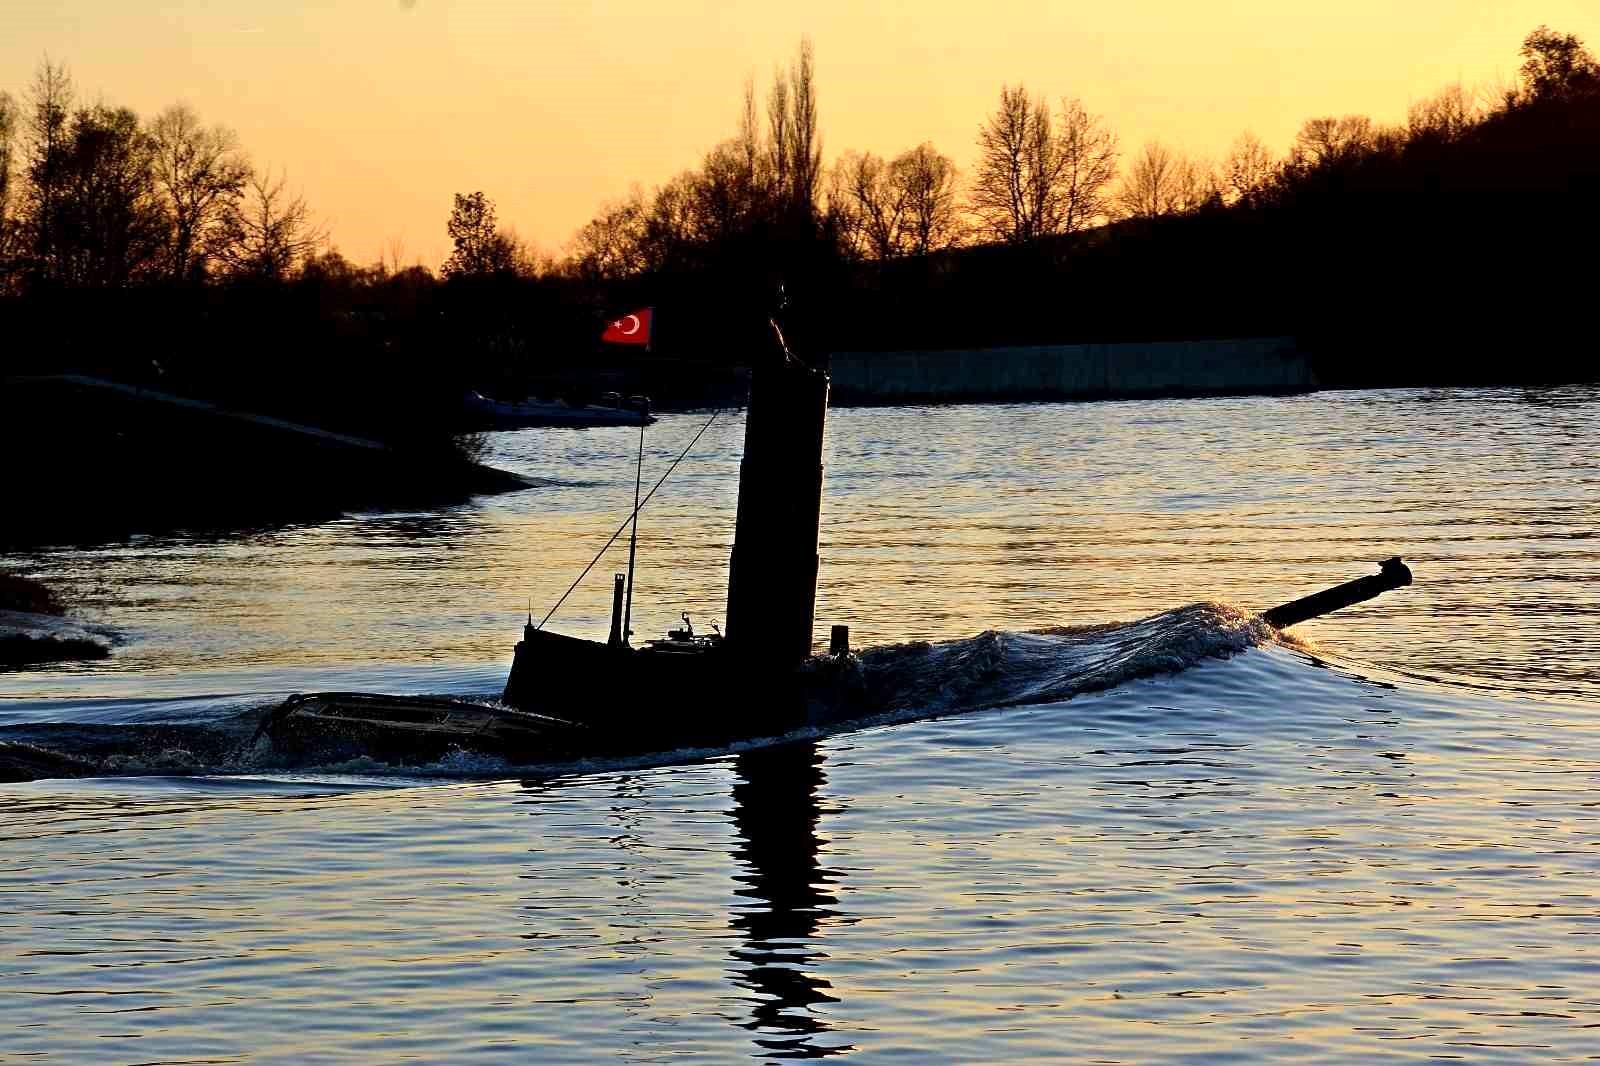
633	537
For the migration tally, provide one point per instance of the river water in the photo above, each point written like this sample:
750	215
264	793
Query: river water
1183	837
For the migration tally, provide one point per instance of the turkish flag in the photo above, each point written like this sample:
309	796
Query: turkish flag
631	328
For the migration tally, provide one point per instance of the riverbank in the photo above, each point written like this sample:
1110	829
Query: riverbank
94	459
34	628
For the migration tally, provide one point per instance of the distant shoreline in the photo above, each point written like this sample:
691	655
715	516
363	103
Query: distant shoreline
1238	366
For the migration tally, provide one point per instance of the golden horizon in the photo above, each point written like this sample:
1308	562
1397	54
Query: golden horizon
380	112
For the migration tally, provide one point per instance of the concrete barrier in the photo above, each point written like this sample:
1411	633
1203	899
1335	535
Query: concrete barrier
1073	371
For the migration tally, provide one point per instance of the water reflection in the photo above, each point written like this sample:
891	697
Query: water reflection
788	897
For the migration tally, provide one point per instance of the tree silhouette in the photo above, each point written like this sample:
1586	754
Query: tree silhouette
611	246
1446	116
867	206
49	110
1163	182
1248	170
8	140
480	249
1014	191
901	208
1036	178
1331	142
105	221
1088	167
200	174
748	211
804	168
1557	65
269	233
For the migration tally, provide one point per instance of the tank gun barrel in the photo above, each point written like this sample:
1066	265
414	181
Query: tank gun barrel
1392	574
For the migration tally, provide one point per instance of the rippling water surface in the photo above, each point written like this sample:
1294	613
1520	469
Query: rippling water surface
1378	839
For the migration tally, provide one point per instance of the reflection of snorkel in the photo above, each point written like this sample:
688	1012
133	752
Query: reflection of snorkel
787	896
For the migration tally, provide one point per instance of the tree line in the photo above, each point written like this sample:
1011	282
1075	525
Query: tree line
1362	239
1055	235
90	195
1041	171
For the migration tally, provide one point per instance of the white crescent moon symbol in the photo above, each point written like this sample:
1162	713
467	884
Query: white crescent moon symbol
628	332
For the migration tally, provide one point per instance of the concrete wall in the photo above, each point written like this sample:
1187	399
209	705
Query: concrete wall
1084	371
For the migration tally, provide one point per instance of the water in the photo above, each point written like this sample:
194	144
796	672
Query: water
1377	840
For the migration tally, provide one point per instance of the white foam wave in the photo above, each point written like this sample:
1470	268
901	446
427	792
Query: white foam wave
1003	669
879	686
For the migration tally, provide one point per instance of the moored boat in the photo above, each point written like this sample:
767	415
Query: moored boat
484	412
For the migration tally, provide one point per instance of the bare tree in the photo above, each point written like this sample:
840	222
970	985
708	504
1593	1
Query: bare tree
268	233
925	180
1088	154
1150	189
869	206
780	133
805	150
1163	182
1036	176
839	205
1248	170
904	207
1202	187
392	260
1018	169
1329	141
1446	116
747	186
749	135
200	174
793	155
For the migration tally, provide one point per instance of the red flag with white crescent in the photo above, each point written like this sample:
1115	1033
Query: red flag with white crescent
632	328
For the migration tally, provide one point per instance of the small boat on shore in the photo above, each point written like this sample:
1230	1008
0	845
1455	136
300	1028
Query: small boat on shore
484	412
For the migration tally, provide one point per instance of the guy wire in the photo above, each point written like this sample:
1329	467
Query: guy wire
630	518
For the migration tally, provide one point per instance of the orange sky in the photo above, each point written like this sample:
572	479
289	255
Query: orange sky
379	110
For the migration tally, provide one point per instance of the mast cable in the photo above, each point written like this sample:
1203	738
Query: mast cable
639	507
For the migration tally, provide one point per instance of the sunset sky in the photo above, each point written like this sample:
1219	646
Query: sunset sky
379	110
